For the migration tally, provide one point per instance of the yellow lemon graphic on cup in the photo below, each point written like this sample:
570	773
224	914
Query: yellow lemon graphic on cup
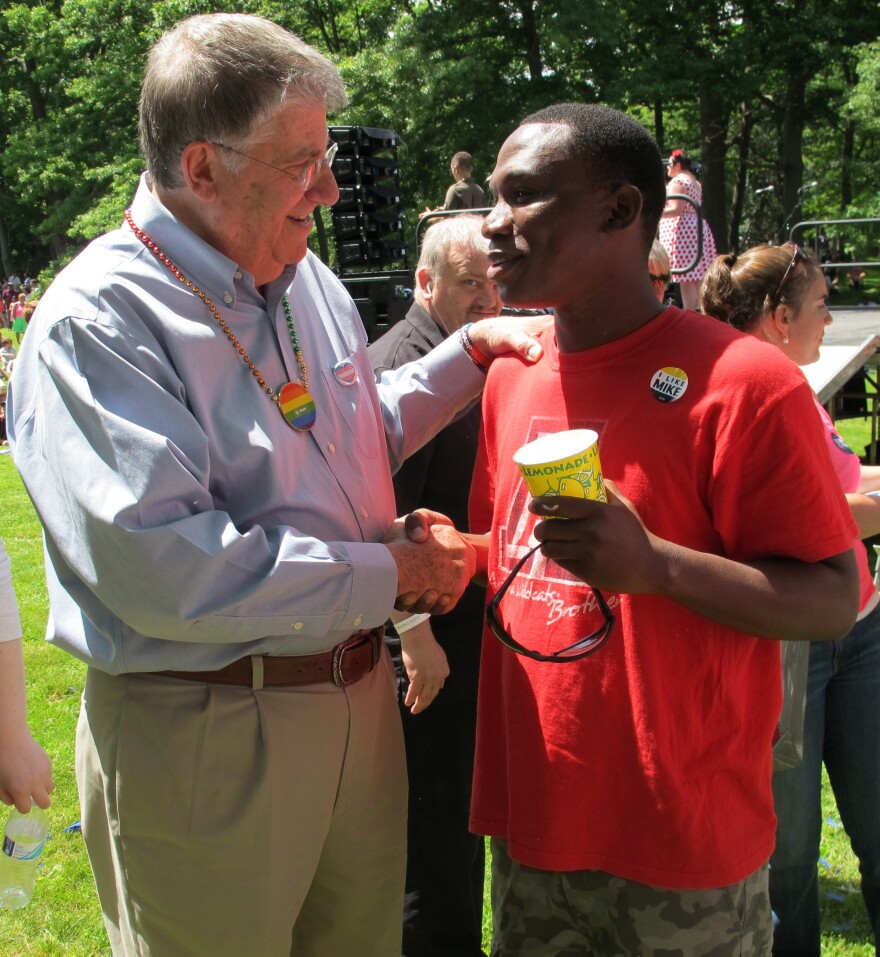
563	463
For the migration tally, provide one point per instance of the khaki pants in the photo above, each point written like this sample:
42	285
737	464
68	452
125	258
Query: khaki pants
228	822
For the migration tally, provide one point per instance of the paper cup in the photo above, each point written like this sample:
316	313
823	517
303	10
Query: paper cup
563	463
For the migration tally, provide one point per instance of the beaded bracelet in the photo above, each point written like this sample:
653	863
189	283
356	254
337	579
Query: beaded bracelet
480	360
401	626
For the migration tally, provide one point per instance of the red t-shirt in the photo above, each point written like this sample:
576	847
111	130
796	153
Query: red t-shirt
650	760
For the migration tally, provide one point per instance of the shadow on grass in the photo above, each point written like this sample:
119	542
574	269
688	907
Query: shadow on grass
843	911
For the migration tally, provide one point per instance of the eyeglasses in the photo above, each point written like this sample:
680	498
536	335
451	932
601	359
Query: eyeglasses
663	277
580	649
797	256
303	180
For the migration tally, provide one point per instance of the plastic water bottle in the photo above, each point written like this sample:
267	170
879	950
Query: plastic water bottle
22	846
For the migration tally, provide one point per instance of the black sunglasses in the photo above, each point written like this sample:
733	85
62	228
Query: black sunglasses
663	277
580	649
797	256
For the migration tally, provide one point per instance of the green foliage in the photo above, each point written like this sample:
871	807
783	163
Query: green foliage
764	92
72	137
863	101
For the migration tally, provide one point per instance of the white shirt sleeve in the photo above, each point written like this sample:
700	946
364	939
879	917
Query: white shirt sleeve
10	620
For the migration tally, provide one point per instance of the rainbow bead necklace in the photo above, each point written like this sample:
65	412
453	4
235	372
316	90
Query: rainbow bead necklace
292	398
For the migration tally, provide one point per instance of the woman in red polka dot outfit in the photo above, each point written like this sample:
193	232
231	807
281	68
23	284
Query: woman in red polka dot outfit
678	229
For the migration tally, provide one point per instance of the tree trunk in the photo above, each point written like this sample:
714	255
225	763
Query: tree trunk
714	120
5	260
659	133
739	188
529	33
849	144
791	148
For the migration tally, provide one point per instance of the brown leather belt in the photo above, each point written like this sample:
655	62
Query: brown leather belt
345	664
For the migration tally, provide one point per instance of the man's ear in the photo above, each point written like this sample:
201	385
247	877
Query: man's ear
625	208
199	163
423	278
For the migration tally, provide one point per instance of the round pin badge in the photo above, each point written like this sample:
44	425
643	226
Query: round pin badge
297	406
838	441
345	372
669	384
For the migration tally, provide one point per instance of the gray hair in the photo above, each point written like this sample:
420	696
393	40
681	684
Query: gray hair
219	77
452	231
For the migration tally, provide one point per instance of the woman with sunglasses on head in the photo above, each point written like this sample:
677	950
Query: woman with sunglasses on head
778	294
680	229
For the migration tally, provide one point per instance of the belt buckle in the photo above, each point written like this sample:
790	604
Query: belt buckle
340	679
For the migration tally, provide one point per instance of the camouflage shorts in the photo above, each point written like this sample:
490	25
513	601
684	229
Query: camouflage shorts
550	914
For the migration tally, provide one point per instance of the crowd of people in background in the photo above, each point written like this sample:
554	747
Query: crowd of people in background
18	299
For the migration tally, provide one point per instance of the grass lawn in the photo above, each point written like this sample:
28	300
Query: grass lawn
64	917
847	297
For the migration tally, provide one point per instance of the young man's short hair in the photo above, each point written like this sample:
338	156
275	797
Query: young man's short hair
617	150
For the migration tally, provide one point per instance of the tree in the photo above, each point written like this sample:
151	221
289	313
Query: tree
763	91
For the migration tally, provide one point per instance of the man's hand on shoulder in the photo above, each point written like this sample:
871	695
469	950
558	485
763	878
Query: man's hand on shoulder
504	334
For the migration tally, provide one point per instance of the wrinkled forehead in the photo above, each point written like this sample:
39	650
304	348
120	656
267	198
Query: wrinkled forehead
466	258
532	149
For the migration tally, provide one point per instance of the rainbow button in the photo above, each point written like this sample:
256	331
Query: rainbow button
297	406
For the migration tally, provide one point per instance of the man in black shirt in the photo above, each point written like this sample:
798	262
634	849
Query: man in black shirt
444	882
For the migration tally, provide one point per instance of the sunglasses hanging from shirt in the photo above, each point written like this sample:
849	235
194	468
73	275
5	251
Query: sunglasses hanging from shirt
582	648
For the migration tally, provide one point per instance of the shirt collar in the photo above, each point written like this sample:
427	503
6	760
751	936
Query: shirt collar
419	317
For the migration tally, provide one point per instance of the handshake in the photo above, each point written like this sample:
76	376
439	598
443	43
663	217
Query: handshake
434	562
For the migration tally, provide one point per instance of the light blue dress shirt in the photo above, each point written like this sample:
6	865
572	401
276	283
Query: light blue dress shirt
186	524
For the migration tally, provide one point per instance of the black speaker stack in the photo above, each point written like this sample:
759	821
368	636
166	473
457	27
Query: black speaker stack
368	223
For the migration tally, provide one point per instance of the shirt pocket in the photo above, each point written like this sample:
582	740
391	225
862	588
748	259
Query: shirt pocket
357	407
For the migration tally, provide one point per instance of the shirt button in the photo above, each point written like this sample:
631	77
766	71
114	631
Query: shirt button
365	513
332	448
227	298
237	274
357	621
297	625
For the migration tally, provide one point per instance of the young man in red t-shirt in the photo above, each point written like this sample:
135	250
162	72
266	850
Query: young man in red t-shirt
628	793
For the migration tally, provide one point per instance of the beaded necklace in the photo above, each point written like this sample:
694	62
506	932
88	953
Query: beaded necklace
292	398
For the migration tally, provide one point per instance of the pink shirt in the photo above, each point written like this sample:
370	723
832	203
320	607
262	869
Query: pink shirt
849	472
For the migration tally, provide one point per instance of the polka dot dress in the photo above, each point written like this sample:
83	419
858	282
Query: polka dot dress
679	233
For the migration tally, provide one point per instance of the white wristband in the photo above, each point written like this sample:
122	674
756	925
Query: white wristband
401	626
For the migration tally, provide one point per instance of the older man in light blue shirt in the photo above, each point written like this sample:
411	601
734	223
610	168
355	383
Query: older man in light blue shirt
195	417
